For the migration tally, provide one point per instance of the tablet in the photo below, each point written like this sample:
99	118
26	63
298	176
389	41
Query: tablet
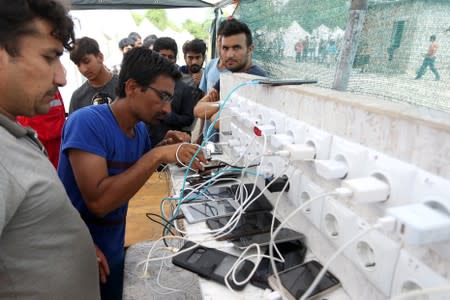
277	82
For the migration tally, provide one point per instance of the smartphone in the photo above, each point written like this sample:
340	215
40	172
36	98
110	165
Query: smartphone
212	264
197	212
260	204
293	253
263	239
248	224
205	194
296	280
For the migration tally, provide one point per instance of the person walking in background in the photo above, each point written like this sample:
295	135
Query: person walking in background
46	251
298	47
430	59
49	127
89	60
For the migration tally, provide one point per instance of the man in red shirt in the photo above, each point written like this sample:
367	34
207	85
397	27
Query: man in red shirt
429	60
49	127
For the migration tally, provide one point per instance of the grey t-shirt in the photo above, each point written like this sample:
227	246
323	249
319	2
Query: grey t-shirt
46	251
83	95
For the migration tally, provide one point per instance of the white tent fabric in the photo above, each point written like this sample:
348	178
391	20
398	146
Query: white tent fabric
291	36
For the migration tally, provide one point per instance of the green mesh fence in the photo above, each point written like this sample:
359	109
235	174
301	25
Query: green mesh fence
304	38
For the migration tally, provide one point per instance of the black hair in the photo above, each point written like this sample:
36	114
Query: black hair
164	43
149	41
233	27
144	66
134	35
433	37
196	46
126	42
83	47
17	17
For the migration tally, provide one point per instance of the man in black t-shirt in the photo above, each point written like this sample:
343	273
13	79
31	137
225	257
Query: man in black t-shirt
236	53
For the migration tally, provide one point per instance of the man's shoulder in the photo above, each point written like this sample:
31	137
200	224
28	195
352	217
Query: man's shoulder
85	87
255	70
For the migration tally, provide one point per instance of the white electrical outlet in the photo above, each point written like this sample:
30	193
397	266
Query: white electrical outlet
375	255
353	154
296	129
400	177
338	223
411	274
320	139
295	182
307	191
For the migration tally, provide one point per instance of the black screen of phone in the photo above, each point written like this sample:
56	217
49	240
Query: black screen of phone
298	279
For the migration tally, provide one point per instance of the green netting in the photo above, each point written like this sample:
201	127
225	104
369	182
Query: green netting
390	50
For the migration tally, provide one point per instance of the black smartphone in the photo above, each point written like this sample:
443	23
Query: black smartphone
263	239
293	253
260	204
277	82
248	224
212	264
296	281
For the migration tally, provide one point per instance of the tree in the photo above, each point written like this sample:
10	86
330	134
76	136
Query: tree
199	30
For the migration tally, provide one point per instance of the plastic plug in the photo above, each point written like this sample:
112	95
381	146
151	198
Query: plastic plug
422	223
331	169
279	140
367	189
299	152
260	130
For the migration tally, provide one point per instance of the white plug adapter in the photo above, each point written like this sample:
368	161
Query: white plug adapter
331	169
279	140
300	152
367	189
422	223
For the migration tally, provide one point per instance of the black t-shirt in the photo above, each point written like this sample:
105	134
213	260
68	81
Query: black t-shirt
254	70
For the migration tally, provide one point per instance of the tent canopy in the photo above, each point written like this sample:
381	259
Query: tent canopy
136	4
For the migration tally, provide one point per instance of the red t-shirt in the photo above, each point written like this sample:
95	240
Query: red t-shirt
49	127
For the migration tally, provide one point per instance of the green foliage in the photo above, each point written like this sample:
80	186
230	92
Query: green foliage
158	17
137	18
199	30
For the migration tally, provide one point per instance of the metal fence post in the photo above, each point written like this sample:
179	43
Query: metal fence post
358	10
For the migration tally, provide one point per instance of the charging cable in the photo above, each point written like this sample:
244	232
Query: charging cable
385	222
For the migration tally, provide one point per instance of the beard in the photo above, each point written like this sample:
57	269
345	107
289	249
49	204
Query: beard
195	68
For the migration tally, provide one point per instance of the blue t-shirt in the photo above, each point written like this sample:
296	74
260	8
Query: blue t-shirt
211	75
94	129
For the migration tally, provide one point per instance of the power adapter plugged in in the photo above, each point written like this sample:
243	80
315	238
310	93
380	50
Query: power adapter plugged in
299	152
331	169
367	189
278	184
422	223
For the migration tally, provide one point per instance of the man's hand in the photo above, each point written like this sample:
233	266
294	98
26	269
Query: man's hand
197	77
213	96
103	267
175	137
167	154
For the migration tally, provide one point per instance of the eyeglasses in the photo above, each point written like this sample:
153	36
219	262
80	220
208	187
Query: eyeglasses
164	96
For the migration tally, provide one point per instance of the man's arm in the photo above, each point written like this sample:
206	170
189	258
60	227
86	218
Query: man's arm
207	106
103	193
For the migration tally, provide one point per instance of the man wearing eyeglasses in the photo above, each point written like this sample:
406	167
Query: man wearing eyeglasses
106	155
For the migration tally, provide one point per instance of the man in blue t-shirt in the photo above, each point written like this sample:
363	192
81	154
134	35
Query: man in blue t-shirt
106	155
236	52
